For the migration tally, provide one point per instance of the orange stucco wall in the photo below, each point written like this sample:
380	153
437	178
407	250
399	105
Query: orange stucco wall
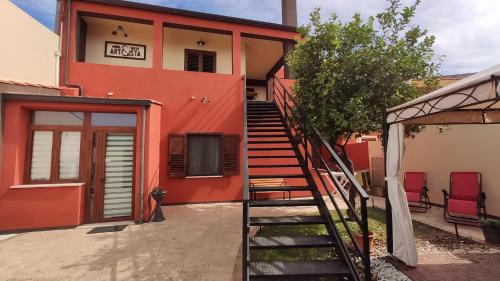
180	93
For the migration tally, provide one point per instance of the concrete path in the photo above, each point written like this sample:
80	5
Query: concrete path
195	243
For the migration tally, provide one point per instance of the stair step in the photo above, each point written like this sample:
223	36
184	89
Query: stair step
265	130
268	136
253	117
283	242
288	220
269	148
279	188
259	115
275	166
271	156
265	121
287	176
298	269
265	125
257	108
282	203
272	141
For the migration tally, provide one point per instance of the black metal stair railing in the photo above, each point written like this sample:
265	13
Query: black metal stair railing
246	183
310	140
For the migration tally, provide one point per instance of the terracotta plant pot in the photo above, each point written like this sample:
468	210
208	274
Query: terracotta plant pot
359	241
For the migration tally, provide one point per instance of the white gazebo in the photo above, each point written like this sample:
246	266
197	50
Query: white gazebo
472	100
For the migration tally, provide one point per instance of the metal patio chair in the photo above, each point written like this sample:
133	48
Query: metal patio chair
465	202
415	184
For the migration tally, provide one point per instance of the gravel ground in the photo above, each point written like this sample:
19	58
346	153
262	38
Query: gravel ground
429	240
383	270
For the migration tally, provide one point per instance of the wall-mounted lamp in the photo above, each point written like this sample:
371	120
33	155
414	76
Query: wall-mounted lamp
205	100
201	43
119	29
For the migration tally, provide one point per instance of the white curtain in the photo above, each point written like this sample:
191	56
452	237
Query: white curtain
403	240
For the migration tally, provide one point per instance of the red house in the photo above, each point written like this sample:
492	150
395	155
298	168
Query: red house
159	97
152	96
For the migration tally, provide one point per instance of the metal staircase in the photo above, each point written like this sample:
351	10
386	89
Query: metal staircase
276	149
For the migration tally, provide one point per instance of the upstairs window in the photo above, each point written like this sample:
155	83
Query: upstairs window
200	61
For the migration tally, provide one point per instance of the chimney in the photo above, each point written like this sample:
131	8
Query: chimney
289	12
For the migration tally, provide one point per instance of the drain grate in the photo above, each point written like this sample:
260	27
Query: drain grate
105	229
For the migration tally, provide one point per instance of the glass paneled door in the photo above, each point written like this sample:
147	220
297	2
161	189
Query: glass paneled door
112	177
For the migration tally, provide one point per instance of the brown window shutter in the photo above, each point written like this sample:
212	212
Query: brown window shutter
177	156
192	61
208	63
231	165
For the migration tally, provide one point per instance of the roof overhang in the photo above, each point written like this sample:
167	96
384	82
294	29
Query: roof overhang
80	100
180	12
472	100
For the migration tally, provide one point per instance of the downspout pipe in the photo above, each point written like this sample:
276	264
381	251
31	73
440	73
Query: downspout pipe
141	184
66	54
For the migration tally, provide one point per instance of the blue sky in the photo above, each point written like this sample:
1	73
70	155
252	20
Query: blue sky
465	30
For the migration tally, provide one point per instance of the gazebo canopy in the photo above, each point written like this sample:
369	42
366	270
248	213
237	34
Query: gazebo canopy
472	100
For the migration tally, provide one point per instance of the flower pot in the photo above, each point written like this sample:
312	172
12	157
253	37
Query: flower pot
359	241
158	197
491	235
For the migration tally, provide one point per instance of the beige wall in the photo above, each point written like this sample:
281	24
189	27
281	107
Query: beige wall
100	30
461	148
261	92
175	41
260	56
28	49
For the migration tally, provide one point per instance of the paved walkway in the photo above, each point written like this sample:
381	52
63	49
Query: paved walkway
457	266
195	243
460	264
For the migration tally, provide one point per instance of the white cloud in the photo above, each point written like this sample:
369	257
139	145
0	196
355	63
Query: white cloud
465	30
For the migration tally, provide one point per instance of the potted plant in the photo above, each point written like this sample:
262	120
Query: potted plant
491	230
358	237
158	193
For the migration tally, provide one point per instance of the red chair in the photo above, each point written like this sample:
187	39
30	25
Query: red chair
415	184
465	203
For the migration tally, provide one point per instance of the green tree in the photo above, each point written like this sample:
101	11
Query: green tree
347	74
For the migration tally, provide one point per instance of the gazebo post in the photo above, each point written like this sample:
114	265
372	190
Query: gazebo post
388	208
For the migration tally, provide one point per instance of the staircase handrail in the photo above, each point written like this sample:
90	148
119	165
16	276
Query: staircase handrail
293	114
246	183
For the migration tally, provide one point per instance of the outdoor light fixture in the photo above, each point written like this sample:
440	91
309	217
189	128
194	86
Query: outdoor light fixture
119	29
205	100
200	43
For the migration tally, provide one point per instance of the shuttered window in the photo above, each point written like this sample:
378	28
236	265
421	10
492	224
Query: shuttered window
69	156
200	61
55	156
195	155
176	156
54	147
204	155
231	155
41	155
